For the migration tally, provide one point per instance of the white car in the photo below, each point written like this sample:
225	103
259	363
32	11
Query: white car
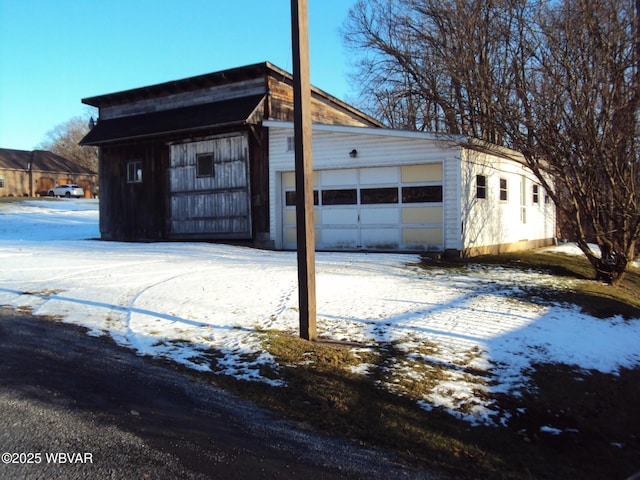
66	191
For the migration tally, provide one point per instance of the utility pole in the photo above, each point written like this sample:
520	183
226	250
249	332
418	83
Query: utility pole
305	233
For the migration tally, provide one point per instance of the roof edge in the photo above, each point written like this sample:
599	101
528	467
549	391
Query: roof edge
184	84
221	77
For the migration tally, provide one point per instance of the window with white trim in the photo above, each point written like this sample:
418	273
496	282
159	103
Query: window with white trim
291	145
481	186
504	193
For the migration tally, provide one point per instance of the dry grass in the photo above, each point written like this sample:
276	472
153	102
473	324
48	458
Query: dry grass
598	413
595	298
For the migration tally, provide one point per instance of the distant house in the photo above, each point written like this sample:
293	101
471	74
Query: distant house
211	158
32	173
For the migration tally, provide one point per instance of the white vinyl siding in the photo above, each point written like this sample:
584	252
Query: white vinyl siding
366	215
494	221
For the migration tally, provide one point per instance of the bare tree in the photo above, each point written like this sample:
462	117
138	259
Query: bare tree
559	81
442	62
63	140
579	101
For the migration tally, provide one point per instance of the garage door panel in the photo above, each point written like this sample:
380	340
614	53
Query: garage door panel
340	237
422	173
380	238
422	236
379	216
339	216
381	175
422	215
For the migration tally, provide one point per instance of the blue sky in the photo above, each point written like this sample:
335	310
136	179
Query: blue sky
53	53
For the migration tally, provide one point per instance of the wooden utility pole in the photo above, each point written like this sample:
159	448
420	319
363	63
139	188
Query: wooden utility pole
305	233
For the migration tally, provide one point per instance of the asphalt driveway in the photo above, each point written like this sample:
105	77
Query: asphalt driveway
80	407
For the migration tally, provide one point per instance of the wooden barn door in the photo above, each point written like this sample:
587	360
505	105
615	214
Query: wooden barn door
210	194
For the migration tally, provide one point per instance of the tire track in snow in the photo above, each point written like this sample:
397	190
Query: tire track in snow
131	309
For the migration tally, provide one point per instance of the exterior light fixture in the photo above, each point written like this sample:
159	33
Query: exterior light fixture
353	153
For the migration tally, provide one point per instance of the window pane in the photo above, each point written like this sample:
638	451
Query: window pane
204	165
481	186
503	189
134	172
378	195
290	198
425	194
340	197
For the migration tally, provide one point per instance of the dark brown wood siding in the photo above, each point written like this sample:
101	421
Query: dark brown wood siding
133	210
322	110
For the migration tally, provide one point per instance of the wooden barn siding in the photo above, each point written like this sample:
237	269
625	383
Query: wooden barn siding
133	211
185	99
210	207
280	107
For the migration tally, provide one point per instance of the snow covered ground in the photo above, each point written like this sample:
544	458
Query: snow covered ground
180	300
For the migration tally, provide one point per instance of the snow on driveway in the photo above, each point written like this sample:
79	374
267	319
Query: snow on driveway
183	300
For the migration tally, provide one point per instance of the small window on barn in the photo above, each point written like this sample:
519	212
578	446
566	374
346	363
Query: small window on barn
1	181
134	172
481	186
291	146
204	165
536	194
504	194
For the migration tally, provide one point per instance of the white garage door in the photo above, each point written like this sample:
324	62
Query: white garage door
386	208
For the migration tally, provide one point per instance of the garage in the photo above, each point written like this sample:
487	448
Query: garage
376	208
